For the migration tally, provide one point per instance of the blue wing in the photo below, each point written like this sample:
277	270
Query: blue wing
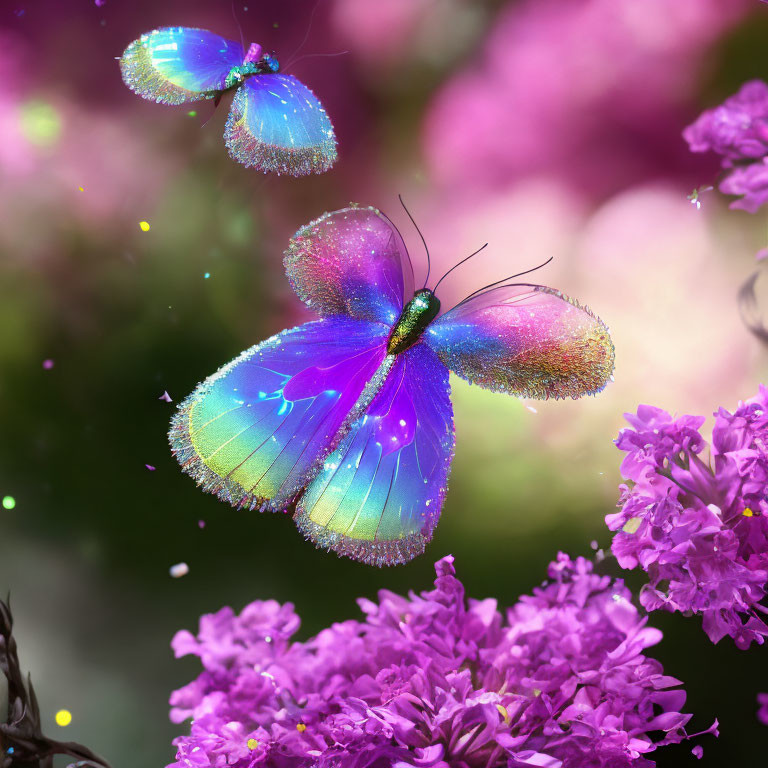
174	65
379	495
277	124
255	432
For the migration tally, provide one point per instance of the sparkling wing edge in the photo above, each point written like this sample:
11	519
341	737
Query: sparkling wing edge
134	65
247	150
227	490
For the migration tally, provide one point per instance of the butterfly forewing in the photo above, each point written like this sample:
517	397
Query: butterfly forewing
276	124
379	494
255	432
351	262
525	340
174	65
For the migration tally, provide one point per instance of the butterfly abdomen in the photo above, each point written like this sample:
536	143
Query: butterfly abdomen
417	314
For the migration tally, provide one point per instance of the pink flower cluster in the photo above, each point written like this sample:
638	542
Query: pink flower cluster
737	130
433	680
693	516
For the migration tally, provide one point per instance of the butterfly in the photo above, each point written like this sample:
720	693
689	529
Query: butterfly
275	124
349	417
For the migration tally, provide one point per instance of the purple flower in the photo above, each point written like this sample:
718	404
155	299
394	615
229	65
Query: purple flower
762	700
697	525
433	680
737	130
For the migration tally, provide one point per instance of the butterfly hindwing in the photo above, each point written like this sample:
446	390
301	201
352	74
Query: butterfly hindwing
351	262
254	432
379	494
276	124
525	340
174	65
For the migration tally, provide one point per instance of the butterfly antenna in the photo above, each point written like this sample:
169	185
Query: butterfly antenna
467	258
429	261
499	282
239	27
315	55
306	36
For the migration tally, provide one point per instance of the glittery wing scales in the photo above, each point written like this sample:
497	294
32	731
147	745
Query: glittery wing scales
379	494
255	432
174	65
351	262
276	124
525	340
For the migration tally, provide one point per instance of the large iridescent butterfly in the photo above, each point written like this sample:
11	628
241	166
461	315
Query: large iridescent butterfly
349	417
276	124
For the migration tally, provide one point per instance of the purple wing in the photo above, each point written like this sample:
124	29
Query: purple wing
174	65
277	125
351	262
525	340
378	496
256	432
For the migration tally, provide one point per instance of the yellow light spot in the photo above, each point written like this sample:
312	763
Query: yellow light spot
252	743
747	512
300	727
9	502
81	189
537	692
632	525
63	718
144	225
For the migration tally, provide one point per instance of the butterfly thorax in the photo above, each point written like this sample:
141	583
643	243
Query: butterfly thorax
417	314
256	62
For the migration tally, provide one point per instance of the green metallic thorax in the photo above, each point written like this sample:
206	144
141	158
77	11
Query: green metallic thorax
417	314
238	74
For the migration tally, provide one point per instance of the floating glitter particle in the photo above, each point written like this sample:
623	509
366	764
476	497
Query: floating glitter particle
82	189
201	524
694	197
529	407
63	718
144	226
150	467
207	275
48	364
192	113
166	397
252	743
179	570
9	502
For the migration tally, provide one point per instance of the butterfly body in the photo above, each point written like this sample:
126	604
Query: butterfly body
349	417
276	124
417	314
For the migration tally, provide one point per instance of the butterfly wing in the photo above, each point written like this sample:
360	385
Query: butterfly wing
525	340
276	124
379	494
254	432
174	65
351	262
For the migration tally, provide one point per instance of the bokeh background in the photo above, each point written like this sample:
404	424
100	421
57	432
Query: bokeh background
545	127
